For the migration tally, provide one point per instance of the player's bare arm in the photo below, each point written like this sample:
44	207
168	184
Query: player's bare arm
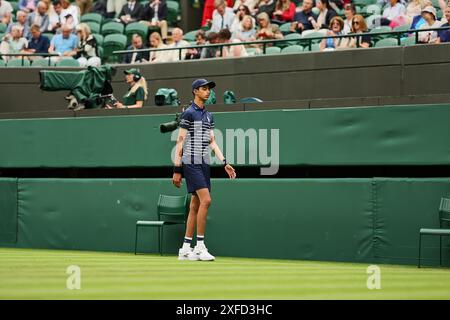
176	179
218	153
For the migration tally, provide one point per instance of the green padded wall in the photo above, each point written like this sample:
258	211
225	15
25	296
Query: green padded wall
362	220
403	206
8	210
401	135
90	214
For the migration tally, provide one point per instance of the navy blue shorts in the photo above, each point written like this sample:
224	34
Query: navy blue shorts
197	176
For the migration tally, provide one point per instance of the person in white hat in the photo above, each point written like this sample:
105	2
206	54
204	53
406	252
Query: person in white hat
429	15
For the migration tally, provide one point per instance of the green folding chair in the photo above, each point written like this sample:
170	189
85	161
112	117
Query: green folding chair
92	17
170	210
190	36
111	43
112	28
408	41
41	63
18	62
285	28
68	62
273	50
388	42
173	12
98	38
94	26
2	63
444	217
3	27
136	27
292	49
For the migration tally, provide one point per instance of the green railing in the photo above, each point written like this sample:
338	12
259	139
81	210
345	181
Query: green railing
266	43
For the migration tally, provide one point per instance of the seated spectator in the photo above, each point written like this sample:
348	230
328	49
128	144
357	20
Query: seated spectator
21	17
137	92
208	10
28	6
38	43
113	7
429	15
139	56
284	11
39	17
100	8
301	18
413	9
56	17
349	11
267	30
71	10
223	16
358	26
267	6
87	54
156	42
231	51
444	35
200	39
326	13
241	12
250	4
393	11
13	42
6	10
131	12
64	44
155	15
246	32
178	42
85	6
336	27
211	52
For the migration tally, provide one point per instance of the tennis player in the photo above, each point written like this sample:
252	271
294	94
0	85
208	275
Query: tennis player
195	137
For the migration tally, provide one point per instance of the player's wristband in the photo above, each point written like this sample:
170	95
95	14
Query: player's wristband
225	162
177	169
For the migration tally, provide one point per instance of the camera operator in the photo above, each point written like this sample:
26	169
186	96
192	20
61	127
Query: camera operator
136	94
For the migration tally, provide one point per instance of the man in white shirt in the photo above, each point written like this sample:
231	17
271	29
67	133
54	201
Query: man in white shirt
72	10
223	17
56	17
178	42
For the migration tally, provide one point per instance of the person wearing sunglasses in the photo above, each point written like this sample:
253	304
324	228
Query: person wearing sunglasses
336	27
250	4
241	12
358	26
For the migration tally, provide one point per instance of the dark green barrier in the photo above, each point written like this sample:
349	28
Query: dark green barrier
409	135
361	220
8	210
403	206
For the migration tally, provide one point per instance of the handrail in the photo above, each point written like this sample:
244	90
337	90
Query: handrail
264	43
23	55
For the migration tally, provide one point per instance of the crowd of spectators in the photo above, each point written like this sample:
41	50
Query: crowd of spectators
223	22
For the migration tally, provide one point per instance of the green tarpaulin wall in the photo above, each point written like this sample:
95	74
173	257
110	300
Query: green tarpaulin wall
361	220
400	135
8	210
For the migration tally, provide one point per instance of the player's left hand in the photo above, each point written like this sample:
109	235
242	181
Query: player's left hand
230	170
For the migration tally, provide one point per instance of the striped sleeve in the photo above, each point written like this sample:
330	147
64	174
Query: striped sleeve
186	120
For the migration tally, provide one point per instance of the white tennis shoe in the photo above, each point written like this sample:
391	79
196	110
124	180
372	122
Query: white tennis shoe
201	253
183	254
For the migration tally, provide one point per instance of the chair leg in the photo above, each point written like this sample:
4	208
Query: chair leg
135	239
440	251
420	243
161	240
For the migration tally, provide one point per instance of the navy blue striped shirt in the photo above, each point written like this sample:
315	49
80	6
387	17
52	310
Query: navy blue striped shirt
198	122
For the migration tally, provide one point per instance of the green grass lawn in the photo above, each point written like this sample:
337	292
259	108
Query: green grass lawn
41	274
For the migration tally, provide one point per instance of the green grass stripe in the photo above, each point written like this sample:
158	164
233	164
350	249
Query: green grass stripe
41	274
